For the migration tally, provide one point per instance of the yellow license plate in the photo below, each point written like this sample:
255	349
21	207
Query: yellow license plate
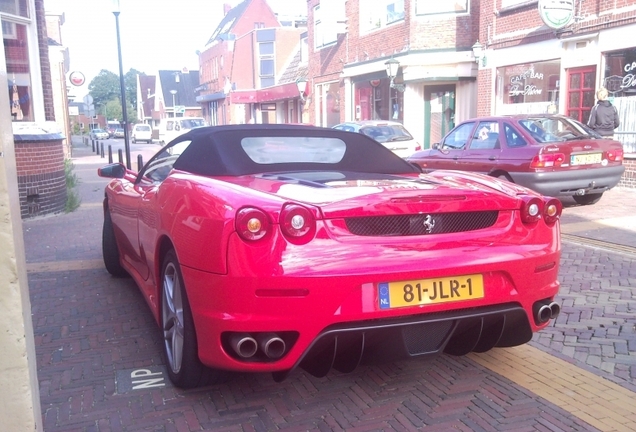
430	291
586	159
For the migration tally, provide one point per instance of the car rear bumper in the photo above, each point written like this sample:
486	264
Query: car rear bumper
571	182
337	315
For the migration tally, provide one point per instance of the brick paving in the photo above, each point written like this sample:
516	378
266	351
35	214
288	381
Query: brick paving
89	326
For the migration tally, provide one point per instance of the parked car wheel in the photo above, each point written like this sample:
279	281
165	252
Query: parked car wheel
110	251
505	177
134	141
179	336
587	199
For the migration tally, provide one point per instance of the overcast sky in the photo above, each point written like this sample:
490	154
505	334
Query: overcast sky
155	34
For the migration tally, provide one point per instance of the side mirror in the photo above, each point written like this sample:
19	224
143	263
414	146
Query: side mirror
435	146
115	170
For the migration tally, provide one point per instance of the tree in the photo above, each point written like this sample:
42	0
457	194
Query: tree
106	92
130	83
112	111
104	87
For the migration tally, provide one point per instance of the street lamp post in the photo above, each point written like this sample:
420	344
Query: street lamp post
116	11
174	107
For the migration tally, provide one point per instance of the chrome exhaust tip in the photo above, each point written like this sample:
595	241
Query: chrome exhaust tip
271	345
243	345
543	314
555	309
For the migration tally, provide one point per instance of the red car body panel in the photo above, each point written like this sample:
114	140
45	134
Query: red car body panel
334	279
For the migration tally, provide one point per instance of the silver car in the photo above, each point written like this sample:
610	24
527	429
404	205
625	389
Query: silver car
99	134
393	135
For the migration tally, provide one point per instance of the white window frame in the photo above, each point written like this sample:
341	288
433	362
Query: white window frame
37	92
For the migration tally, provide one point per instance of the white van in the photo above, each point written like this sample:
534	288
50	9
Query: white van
170	128
142	132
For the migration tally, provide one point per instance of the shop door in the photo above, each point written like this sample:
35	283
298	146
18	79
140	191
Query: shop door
439	113
581	82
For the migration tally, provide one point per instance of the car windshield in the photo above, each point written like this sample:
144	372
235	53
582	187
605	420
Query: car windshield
386	133
556	129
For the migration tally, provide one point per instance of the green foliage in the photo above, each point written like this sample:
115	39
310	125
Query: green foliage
73	199
105	89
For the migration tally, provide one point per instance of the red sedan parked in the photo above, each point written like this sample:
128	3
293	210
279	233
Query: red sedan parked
551	154
264	248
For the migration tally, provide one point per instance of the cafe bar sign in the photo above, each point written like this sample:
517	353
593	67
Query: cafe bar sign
556	14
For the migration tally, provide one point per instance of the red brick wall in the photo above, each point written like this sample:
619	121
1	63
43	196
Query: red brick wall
45	65
41	177
629	176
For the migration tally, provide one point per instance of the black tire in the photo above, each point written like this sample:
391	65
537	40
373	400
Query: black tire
180	348
587	199
110	251
505	177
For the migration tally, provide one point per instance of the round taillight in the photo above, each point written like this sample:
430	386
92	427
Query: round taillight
297	222
531	210
251	224
552	211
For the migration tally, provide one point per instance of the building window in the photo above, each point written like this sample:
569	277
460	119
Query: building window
266	64
15	7
528	87
619	77
437	7
16	50
326	16
378	14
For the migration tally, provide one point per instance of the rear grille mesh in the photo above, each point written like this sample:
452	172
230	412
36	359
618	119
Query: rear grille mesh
421	224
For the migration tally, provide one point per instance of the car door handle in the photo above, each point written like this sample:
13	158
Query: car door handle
455	157
492	158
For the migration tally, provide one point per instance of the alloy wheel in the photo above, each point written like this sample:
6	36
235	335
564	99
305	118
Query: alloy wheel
172	317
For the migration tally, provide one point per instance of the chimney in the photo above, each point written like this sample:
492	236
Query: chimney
226	8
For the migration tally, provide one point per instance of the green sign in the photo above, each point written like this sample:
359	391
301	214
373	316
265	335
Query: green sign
556	14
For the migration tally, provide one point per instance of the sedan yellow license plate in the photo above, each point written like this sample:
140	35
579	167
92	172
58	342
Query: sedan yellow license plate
430	291
586	159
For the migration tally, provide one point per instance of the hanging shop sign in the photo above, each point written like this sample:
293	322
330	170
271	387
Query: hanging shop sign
556	14
76	78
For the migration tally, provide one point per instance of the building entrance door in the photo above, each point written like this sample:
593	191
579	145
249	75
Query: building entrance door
581	82
439	113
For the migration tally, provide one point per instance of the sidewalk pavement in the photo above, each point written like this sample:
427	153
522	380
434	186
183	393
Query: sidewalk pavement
93	332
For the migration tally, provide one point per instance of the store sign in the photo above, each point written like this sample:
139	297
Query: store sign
556	14
521	83
76	78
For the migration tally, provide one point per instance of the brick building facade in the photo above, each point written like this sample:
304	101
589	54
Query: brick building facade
531	66
436	81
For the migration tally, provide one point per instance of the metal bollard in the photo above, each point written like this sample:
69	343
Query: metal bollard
140	162
120	155
110	154
93	144
101	152
97	147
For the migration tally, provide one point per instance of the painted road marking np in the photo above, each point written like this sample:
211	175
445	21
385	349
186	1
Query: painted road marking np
142	379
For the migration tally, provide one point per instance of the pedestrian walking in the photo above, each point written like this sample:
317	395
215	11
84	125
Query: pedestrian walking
603	116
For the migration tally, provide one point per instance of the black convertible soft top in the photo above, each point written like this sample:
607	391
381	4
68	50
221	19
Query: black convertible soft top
217	151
